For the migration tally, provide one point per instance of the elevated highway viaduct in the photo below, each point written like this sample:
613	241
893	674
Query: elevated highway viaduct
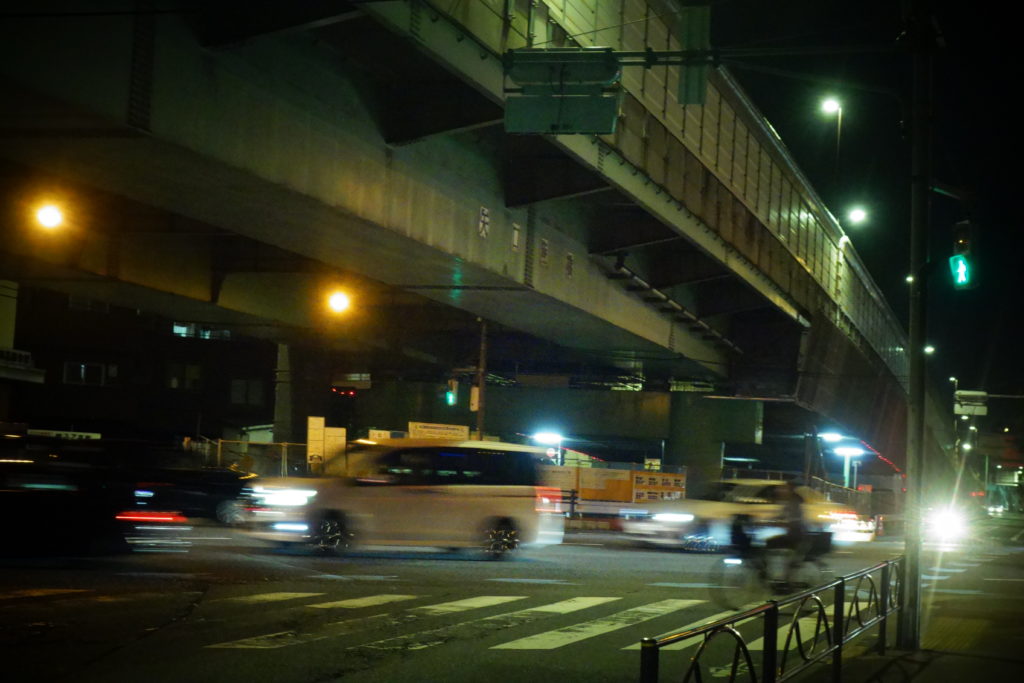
228	163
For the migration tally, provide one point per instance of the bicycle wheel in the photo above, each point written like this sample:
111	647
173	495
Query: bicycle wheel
737	583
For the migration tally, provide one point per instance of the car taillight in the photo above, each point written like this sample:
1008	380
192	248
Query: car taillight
149	516
548	499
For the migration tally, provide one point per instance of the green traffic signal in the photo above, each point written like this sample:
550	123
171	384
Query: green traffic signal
962	271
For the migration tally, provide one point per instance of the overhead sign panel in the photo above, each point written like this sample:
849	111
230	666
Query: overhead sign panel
562	90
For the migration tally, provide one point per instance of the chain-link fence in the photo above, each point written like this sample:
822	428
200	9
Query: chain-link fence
265	459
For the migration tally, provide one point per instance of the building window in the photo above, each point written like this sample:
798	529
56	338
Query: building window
88	374
544	249
247	392
184	376
516	230
194	331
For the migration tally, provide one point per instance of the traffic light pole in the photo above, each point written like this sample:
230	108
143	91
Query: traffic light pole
909	637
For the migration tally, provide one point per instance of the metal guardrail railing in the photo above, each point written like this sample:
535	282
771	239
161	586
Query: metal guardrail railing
871	603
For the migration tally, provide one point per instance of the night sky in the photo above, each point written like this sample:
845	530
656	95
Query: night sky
975	149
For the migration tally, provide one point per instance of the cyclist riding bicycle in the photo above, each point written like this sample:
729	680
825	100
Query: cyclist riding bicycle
795	539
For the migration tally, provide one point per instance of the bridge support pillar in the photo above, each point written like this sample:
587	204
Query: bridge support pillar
699	427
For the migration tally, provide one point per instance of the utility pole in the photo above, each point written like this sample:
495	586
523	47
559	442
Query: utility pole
921	43
481	380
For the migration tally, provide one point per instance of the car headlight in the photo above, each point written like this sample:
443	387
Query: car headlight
282	497
946	525
672	517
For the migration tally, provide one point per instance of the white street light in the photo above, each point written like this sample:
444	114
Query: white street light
551	439
929	349
847	452
857	215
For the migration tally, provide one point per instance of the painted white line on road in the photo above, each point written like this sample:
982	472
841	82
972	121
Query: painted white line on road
588	629
967	564
685	585
1003	579
466	604
368	601
437	636
1017	536
946	570
558	582
807	626
355	577
271	641
934	577
41	592
339	628
267	597
689	642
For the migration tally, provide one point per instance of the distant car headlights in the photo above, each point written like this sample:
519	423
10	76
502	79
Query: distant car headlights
672	517
282	497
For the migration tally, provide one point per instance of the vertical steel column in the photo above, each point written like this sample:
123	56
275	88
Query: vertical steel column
838	632
284	460
883	635
770	660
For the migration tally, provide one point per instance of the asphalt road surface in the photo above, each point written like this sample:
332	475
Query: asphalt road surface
226	608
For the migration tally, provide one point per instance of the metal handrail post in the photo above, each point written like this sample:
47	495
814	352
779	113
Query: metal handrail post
882	634
220	446
771	644
649	660
837	654
284	460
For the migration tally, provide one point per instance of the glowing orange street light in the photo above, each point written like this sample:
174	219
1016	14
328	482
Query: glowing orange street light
49	216
338	301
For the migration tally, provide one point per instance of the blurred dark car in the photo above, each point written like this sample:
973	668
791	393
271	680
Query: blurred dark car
65	496
207	492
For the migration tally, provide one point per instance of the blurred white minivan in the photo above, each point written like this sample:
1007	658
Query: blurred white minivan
432	493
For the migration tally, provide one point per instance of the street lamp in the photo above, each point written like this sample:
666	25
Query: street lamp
49	216
847	452
833	107
857	215
551	439
338	301
929	350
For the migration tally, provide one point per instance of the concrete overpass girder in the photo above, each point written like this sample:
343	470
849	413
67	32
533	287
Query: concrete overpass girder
292	210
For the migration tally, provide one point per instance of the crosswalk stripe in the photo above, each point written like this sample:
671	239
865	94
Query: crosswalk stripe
577	632
270	597
934	577
683	644
468	603
946	570
368	601
807	626
437	636
340	628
